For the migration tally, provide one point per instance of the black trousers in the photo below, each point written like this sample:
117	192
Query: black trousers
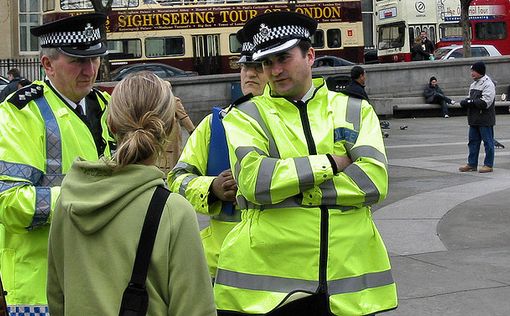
442	101
314	305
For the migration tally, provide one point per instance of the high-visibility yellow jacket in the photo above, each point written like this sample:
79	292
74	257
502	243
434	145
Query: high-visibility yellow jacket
189	178
41	136
303	228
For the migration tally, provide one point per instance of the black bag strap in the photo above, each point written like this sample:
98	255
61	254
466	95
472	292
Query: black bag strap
135	299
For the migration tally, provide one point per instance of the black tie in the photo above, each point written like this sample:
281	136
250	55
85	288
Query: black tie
79	109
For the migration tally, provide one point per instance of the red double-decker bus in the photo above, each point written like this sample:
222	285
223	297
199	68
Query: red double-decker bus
489	23
199	35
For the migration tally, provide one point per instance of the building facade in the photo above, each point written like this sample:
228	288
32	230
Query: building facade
16	19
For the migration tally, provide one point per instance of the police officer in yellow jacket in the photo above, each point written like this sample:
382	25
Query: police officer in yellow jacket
203	175
44	127
309	163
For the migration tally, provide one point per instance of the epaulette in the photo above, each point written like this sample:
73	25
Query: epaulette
25	95
240	100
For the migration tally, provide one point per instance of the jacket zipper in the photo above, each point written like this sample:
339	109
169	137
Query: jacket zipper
323	254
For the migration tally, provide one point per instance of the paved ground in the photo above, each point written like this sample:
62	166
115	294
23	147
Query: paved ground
448	233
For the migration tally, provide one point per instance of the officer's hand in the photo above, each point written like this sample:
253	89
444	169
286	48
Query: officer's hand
341	162
224	187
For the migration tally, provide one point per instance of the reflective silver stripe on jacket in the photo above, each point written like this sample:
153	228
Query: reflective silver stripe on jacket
369	152
263	282
184	168
22	171
353	114
181	168
240	153
185	182
24	310
285	285
18	170
42	207
263	184
291	202
329	194
364	182
53	175
6	185
251	110
360	283
305	173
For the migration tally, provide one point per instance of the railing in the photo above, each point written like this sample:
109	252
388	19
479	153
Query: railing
30	68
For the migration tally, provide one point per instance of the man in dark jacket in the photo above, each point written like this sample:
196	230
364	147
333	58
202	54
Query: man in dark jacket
481	119
356	87
428	46
434	95
14	77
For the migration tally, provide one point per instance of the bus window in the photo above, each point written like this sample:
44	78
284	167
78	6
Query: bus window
124	49
233	43
334	38
451	31
411	36
318	39
490	30
48	5
87	4
432	34
164	46
391	36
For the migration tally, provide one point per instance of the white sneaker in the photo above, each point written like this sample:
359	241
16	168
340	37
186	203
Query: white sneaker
446	116
452	102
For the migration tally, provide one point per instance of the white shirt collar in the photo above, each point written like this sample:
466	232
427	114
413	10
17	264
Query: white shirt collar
71	103
309	94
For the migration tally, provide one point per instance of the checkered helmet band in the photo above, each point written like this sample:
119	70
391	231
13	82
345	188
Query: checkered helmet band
267	34
85	37
247	47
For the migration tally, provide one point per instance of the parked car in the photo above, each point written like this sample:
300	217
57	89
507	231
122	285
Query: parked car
3	82
161	70
331	61
457	51
371	56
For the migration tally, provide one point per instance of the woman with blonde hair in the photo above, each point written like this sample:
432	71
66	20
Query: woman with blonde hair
99	216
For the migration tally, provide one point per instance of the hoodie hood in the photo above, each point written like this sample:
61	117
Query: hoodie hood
93	193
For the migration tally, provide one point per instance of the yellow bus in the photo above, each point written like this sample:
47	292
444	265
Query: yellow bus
199	35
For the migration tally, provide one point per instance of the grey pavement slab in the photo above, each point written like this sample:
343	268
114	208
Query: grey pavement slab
448	233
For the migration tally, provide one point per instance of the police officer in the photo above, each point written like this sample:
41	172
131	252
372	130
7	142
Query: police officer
44	127
203	174
309	163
